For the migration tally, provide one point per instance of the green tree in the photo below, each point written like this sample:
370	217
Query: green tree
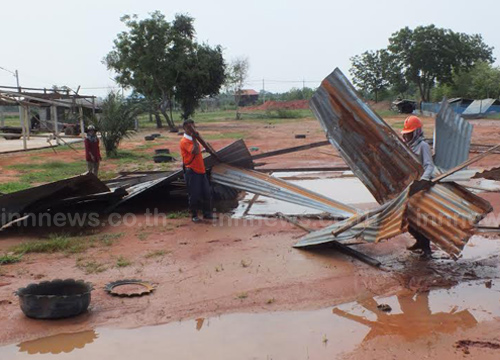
201	74
428	54
162	61
116	121
370	71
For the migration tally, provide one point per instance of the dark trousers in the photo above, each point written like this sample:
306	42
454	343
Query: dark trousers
422	241
199	192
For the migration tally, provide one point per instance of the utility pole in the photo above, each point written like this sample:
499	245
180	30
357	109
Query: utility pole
263	90
17	80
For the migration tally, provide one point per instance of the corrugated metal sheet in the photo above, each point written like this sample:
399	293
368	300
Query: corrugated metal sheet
265	185
236	154
368	145
451	138
447	214
40	198
385	225
478	107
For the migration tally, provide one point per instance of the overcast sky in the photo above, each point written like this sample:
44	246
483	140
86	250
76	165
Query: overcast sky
63	42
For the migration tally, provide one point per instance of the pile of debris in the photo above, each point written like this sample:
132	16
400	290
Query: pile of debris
444	211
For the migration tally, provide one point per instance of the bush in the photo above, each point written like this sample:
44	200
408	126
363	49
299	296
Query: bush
116	121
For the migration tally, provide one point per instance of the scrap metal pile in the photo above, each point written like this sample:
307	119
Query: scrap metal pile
445	212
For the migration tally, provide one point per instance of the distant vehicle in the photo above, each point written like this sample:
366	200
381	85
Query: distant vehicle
404	106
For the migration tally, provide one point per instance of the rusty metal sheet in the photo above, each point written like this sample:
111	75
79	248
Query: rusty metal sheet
492	174
385	225
452	136
236	154
40	198
447	214
368	145
265	185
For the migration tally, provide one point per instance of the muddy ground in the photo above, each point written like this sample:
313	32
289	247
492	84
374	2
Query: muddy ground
211	269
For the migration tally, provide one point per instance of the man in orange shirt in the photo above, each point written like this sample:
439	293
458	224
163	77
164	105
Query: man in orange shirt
194	173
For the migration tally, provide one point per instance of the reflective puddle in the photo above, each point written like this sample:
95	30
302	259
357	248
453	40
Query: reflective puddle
318	334
348	190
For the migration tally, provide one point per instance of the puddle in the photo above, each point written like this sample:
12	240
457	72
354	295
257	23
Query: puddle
347	190
318	334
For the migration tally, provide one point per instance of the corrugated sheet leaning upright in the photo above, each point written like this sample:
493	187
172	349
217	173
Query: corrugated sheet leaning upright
452	137
367	144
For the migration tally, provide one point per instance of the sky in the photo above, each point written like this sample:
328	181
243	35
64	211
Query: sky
288	43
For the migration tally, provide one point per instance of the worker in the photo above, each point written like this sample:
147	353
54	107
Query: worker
195	174
413	135
92	151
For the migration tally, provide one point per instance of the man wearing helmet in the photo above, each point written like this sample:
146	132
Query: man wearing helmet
92	151
413	135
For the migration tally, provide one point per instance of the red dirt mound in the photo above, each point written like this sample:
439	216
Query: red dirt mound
288	105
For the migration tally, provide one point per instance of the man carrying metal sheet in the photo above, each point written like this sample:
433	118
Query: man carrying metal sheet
195	174
413	135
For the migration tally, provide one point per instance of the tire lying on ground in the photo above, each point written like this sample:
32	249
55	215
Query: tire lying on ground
162	151
163	158
55	299
149	138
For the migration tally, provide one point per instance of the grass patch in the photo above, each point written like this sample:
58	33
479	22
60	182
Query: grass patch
64	243
109	239
178	215
143	236
14	186
90	266
9	259
270	301
286	114
49	171
398	125
123	262
156	253
242	295
387	113
493	116
229	135
245	263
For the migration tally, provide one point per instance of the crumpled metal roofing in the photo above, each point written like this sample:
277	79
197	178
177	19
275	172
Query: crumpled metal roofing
385	225
41	198
236	154
265	185
368	145
452	136
447	214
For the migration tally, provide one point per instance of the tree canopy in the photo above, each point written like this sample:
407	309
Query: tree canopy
424	56
162	60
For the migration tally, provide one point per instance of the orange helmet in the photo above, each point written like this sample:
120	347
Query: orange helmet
412	123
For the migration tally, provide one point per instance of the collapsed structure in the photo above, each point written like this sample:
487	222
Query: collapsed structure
446	213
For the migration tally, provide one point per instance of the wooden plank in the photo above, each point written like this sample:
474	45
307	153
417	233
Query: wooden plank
290	150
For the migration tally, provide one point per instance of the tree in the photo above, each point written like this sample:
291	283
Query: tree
428	54
370	71
236	76
162	61
116	121
202	74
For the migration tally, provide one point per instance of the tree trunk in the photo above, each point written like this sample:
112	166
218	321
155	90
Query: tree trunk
170	122
150	116
159	124
420	89
376	96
